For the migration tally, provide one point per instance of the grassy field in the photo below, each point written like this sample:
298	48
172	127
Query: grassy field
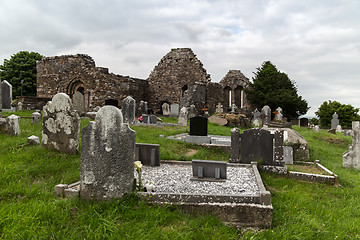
302	210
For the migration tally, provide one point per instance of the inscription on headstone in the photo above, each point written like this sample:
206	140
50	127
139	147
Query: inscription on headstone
166	109
198	126
174	110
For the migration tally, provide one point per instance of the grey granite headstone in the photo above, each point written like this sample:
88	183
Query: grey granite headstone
266	111
6	94
149	119
183	117
288	155
334	121
107	156
166	109
235	145
13	125
174	110
128	110
35	118
259	145
209	170
78	103
148	154
351	158
61	125
192	111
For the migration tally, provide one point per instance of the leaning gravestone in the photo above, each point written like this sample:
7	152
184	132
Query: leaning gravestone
128	110
266	111
351	158
192	111
174	110
107	156
183	117
6	95
166	109
334	121
61	125
78	103
13	125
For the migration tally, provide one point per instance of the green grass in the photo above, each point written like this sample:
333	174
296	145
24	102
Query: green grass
302	210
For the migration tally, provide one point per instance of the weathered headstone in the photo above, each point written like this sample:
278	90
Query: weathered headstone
20	106
107	156
174	110
192	111
338	128
143	107
266	111
316	128
288	155
33	140
35	118
13	125
262	146
6	94
149	119
61	125
219	108
166	109
257	115
279	115
235	145
128	110
198	126
183	117
351	158
78	103
334	121
256	123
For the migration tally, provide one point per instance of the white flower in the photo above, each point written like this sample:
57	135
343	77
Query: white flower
138	165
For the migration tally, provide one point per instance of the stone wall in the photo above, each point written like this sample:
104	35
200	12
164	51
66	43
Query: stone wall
72	73
214	95
174	74
235	82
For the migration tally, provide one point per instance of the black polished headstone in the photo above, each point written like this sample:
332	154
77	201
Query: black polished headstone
112	102
198	126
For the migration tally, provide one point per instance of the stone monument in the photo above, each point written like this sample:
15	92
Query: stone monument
183	117
128	110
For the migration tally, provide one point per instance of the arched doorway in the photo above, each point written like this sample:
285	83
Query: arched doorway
238	96
80	96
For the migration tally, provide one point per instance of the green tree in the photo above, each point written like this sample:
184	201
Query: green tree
21	66
275	89
346	113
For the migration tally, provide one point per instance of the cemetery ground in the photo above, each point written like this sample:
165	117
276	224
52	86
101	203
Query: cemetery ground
29	209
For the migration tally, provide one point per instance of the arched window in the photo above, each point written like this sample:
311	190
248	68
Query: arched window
227	97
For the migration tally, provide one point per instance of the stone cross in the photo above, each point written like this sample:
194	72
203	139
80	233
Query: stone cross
204	109
219	108
128	110
61	125
107	156
275	113
279	115
233	108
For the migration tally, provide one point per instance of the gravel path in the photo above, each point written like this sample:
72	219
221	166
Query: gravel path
175	178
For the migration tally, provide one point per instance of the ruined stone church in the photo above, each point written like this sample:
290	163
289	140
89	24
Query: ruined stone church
179	78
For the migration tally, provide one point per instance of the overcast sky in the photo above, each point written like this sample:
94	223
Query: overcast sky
317	43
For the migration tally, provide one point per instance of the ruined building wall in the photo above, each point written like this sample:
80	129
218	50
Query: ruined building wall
233	85
176	72
214	95
78	73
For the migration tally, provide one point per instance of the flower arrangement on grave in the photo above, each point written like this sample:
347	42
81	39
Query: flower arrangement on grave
138	166
140	119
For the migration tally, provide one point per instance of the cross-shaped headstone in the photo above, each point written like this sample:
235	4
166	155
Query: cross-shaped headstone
275	113
204	109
